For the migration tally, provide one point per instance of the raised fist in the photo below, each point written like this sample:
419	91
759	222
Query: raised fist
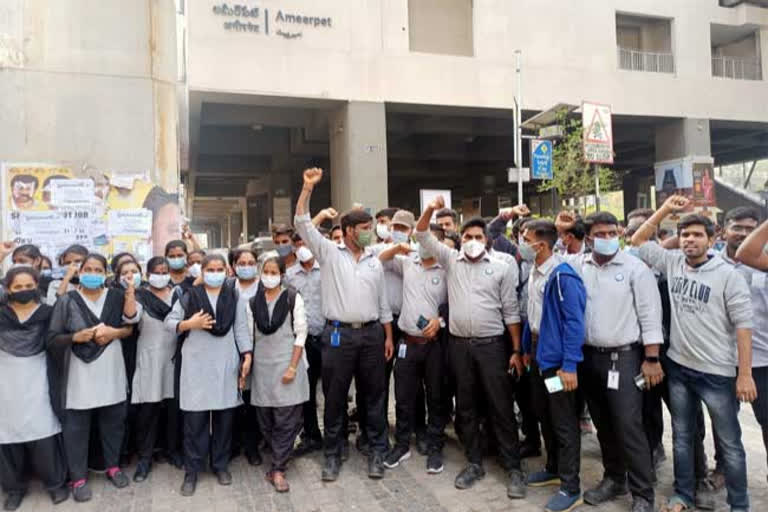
313	176
676	203
437	203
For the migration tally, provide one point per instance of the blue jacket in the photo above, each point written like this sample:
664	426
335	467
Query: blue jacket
562	331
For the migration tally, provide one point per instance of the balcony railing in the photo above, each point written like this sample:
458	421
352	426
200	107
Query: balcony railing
635	60
738	69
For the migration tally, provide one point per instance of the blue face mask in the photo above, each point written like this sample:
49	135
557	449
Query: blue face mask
399	237
634	251
214	279
284	250
177	263
136	281
92	281
246	273
46	272
606	246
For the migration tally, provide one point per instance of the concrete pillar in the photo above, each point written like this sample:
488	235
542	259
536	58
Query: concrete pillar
71	99
358	135
681	138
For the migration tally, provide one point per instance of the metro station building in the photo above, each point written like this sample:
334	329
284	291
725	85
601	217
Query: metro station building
388	96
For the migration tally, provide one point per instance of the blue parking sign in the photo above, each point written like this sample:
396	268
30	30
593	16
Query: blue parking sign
541	159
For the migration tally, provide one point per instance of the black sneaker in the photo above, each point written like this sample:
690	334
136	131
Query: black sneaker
224	477
118	479
59	495
190	484
516	485
435	463
606	490
254	459
469	475
13	500
396	455
82	493
307	446
142	471
331	469
375	466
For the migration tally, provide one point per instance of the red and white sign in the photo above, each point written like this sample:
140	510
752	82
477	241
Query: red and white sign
597	133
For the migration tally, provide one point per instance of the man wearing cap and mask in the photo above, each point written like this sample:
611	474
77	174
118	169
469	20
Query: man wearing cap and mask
357	338
305	277
483	301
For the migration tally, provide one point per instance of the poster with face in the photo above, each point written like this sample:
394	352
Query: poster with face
53	207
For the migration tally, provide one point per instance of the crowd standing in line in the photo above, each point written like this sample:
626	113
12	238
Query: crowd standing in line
199	357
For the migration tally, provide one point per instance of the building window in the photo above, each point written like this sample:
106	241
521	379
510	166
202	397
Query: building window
736	52
441	26
644	43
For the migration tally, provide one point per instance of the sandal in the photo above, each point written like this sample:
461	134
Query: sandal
279	482
675	504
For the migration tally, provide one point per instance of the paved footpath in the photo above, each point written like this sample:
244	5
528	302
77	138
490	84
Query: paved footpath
407	488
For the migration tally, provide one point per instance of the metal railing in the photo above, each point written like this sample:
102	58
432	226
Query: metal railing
636	60
738	69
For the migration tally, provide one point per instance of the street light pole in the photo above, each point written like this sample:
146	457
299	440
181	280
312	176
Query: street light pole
519	129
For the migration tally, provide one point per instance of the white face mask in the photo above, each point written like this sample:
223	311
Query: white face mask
473	249
194	270
382	231
270	281
304	254
159	281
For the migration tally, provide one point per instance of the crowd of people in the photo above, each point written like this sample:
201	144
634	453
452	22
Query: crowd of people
200	357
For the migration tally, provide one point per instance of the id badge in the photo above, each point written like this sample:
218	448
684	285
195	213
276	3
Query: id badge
613	380
554	384
401	350
335	338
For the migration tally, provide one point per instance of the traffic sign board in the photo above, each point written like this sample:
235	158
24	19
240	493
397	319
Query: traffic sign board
541	159
512	174
598	133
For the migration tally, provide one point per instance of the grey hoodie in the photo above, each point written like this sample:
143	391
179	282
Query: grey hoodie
708	304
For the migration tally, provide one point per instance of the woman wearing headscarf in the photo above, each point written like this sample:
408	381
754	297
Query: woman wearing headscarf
215	356
89	378
280	383
152	384
29	429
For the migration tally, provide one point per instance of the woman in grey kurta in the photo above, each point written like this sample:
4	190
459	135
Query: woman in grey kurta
215	358
29	430
91	383
280	383
152	382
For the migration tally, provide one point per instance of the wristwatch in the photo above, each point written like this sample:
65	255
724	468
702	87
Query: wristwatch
652	359
442	322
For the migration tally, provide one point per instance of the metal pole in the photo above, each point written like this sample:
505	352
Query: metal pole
597	187
519	130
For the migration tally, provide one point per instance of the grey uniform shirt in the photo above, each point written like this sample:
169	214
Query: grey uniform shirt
424	290
708	304
101	382
758	287
210	365
308	283
623	301
392	281
352	291
537	281
482	295
155	348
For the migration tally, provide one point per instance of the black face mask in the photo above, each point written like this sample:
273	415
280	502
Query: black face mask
75	280
24	296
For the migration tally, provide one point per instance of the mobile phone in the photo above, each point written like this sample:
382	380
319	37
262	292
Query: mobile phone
422	322
554	384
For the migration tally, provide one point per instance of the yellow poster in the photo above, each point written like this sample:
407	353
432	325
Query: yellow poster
53	207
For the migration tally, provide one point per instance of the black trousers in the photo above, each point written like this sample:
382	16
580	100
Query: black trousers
199	443
280	426
480	366
314	350
617	415
760	405
653	422
43	456
360	354
76	433
422	366
153	420
530	426
558	414
246	434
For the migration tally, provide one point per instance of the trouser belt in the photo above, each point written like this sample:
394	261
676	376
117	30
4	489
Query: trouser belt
351	325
